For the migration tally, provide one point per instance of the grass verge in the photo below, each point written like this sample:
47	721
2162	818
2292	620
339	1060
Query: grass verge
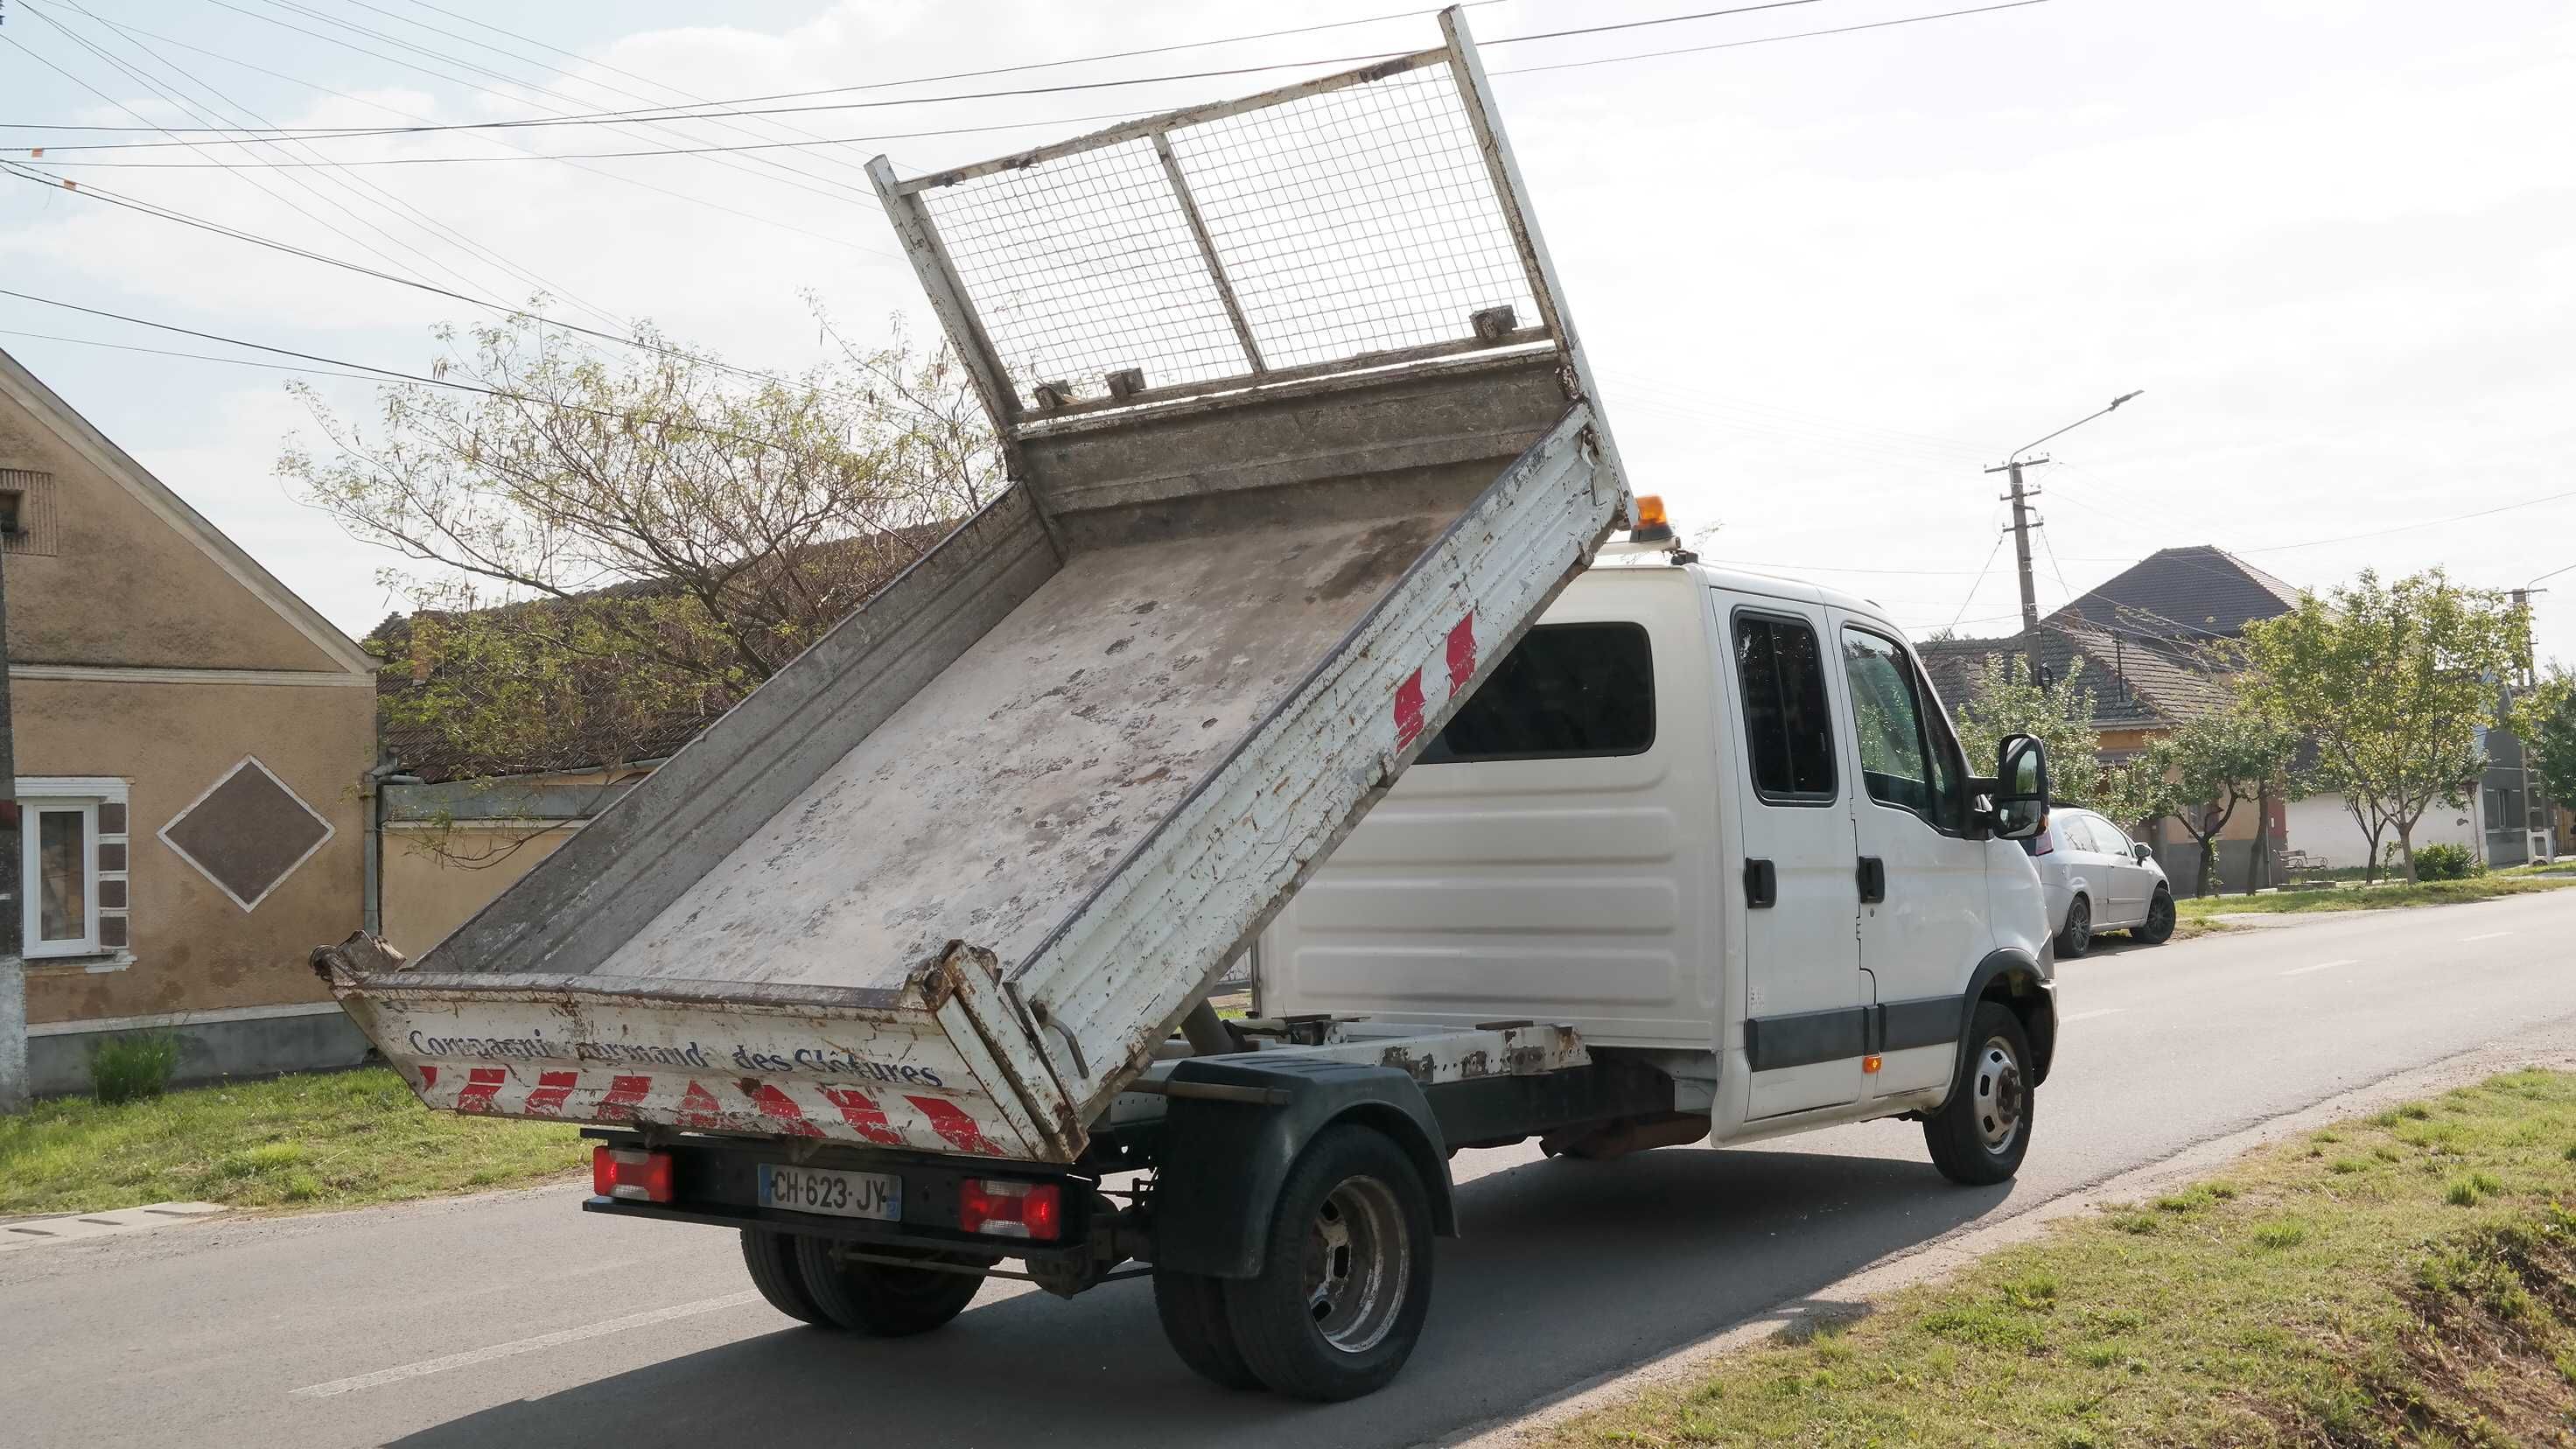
2405	1279
335	1139
2369	898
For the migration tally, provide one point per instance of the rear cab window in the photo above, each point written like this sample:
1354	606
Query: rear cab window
1566	691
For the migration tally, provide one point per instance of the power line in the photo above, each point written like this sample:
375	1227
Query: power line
22	171
197	356
494	140
352	184
43	151
1767	39
414	377
663	114
784	173
1980	583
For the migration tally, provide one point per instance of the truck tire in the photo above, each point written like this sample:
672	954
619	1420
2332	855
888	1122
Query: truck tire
2076	936
2159	925
1192	1307
1345	1279
771	1257
881	1299
1980	1134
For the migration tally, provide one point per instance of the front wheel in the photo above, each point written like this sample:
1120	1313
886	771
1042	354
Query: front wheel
1345	1279
2076	937
2160	920
1979	1136
887	1300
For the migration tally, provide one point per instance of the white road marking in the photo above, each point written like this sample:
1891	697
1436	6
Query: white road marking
2089	1015
556	1339
2489	936
2321	966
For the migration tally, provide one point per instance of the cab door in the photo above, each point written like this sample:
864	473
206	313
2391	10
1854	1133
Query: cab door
1924	920
1805	1022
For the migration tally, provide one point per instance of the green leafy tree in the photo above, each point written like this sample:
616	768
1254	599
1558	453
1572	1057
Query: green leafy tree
2392	681
2209	767
598	551
2544	719
2007	700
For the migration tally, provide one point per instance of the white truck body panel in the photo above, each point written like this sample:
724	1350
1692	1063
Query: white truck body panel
1300	442
1601	889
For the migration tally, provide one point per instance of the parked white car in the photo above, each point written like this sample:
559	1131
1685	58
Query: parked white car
2098	879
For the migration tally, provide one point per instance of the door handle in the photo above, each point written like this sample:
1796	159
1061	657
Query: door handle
1873	879
1761	884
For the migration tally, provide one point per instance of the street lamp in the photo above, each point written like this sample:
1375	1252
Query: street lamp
2021	515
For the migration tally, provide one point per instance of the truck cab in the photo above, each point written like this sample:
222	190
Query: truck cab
1715	818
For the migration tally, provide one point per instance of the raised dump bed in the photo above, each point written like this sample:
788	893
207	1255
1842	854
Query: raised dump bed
1300	442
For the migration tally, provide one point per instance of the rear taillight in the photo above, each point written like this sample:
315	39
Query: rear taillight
1010	1209
630	1173
2039	844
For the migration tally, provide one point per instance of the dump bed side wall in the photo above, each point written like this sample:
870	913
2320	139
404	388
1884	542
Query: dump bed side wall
587	898
1108	984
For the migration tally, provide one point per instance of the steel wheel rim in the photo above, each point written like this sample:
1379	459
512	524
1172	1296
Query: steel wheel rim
1998	1099
1358	1258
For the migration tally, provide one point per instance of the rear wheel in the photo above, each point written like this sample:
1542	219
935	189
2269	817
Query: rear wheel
2076	937
2160	920
1980	1135
1345	1279
1192	1307
771	1257
886	1300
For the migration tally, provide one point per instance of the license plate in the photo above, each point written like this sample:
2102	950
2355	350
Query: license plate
876	1195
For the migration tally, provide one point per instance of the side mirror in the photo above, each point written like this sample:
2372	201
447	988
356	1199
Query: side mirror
2140	850
2021	787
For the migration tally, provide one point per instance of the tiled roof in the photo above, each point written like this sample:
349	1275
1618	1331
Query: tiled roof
587	743
2137	684
2197	592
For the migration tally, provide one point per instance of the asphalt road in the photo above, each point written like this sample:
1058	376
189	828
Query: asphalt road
517	1320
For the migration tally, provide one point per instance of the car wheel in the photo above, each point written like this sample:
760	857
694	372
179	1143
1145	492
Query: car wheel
1980	1135
887	1300
2076	937
2160	920
1345	1278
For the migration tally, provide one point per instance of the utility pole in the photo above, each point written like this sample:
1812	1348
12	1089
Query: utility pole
2023	522
13	967
2526	678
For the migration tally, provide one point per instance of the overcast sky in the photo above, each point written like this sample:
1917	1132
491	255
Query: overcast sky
1824	281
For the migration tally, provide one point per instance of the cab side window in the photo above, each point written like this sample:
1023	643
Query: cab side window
1896	758
1788	728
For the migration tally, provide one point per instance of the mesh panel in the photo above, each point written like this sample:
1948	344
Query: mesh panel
1359	220
1351	221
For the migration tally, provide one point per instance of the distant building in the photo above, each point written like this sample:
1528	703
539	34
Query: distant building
189	737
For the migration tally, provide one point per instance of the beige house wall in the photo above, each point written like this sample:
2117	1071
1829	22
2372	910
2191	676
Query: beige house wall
109	576
427	894
194	948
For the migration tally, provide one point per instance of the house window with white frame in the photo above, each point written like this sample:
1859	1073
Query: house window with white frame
72	869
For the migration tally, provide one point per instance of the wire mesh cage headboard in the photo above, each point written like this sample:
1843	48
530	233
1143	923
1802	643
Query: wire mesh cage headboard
1347	222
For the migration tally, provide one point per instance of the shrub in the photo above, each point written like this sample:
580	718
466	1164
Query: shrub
131	1067
2444	862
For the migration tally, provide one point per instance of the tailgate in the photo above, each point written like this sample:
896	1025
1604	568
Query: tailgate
871	1076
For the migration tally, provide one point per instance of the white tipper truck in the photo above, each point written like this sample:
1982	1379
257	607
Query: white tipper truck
901	970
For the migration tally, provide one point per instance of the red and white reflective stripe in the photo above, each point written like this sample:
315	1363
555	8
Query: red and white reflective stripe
1458	653
914	1118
